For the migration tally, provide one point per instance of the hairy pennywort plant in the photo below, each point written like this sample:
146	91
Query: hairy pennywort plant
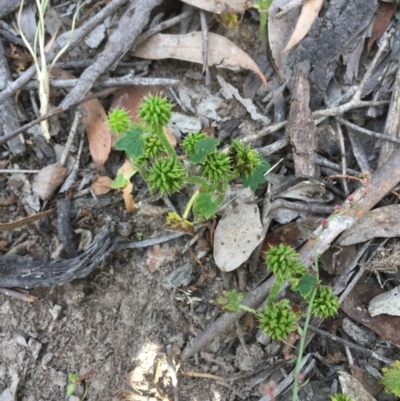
278	319
201	164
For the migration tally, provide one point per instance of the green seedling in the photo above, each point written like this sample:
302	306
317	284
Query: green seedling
74	379
42	69
263	6
202	164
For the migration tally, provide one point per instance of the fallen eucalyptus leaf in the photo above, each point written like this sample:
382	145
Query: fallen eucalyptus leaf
222	53
238	232
48	180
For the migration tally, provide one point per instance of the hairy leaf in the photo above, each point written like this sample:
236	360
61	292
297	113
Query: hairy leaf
203	148
132	142
306	284
204	206
254	180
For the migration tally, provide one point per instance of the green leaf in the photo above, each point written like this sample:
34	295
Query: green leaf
204	206
231	300
70	389
254	180
306	284
202	149
132	142
120	181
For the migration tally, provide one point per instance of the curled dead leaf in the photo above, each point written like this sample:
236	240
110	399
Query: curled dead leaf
101	185
48	180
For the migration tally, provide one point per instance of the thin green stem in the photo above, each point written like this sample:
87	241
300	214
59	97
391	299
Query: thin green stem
302	345
198	181
167	146
274	292
189	205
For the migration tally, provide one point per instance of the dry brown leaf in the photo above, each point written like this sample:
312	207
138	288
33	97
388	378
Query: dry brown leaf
130	205
221	6
385	14
24	221
221	51
309	12
127	170
3	245
101	185
94	120
48	180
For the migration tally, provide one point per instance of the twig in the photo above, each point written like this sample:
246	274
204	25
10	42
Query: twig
163	26
330	112
127	80
71	137
148	242
367	131
204	41
350	344
343	154
172	372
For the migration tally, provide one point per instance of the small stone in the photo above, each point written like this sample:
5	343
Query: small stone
263	338
125	229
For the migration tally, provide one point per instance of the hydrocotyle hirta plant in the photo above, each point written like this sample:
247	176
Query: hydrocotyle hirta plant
200	163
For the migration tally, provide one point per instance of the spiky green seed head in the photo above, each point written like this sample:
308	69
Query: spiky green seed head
153	147
278	320
216	167
283	261
325	302
166	176
118	121
244	159
191	140
155	111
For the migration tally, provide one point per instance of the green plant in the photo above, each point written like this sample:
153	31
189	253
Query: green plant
391	379
74	379
263	6
42	69
341	397
202	164
278	319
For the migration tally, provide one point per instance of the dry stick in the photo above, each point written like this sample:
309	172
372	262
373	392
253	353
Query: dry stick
163	26
367	131
77	38
122	39
204	41
330	112
343	154
172	372
127	80
53	112
350	345
384	179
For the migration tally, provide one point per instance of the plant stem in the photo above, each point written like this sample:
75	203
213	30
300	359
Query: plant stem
301	346
198	181
274	292
167	146
190	204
